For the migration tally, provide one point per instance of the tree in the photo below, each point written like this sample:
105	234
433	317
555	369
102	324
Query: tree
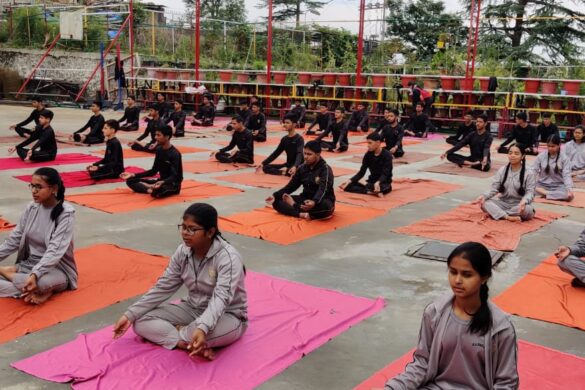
234	10
419	24
288	9
545	31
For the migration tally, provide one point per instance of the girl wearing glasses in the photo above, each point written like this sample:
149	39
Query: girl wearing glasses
214	314
43	239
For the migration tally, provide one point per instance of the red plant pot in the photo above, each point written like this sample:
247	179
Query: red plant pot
530	102
304	78
443	98
571	105
225	76
363	80
466	84
329	78
489	100
458	98
243	77
474	99
171	75
343	79
316	76
407	78
160	74
448	83
484	84
534	117
544	103
531	85
557	104
320	93
348	93
379	80
549	87
572	87
279	77
261	78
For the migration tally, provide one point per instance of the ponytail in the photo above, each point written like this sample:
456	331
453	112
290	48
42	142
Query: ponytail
557	163
482	319
52	178
502	187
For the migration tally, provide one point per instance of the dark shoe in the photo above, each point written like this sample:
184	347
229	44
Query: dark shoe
341	150
577	283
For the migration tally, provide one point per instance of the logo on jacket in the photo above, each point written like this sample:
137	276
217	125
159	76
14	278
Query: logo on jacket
212	273
317	180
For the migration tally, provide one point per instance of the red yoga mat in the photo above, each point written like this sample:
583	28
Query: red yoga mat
121	200
469	223
61	159
267	224
107	274
81	178
557	301
538	367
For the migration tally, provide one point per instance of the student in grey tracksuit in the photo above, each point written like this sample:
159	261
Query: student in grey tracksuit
43	239
515	185
575	151
553	170
570	260
214	313
465	341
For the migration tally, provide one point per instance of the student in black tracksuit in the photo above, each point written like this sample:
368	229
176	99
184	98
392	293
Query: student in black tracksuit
298	112
243	140
292	144
391	132
479	142
317	200
420	124
322	119
162	107
95	126
256	123
38	107
206	113
523	134
45	147
154	124
244	112
112	165
131	116
339	128
379	162
359	119
167	163
465	128
178	117
547	128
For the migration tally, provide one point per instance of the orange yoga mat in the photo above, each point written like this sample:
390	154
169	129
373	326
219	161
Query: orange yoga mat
263	180
121	200
108	274
211	166
5	225
405	142
469	223
267	224
408	158
404	191
578	201
452	169
556	300
129	153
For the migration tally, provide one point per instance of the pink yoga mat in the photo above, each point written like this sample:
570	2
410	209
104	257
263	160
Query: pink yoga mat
286	321
81	178
62	159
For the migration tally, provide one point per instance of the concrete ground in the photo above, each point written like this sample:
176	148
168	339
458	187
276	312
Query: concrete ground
365	259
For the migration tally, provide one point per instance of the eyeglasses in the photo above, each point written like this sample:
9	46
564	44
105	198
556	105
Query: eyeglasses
36	187
188	229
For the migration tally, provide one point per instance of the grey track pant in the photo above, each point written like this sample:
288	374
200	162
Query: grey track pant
55	281
159	326
498	209
574	266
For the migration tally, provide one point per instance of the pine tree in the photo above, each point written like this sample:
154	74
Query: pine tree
288	9
234	10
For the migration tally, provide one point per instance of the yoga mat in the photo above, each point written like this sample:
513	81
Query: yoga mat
404	191
538	368
61	159
5	225
267	224
263	180
211	166
129	153
405	142
81	178
578	201
578	183
408	158
11	139
287	320
557	301
452	169
122	200
469	223
107	274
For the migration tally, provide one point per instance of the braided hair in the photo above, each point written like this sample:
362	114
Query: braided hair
52	178
554	140
521	190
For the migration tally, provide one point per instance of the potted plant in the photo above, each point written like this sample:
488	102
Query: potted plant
531	85
243	77
572	87
279	77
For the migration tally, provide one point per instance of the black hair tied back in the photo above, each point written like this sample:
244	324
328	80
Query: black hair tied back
52	178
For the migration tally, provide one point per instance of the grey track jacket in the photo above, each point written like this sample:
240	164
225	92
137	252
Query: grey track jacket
578	248
215	284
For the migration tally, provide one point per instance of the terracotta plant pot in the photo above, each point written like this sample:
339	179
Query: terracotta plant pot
530	102
348	93
279	77
531	85
466	84
304	78
329	78
171	75
343	79
243	77
448	82
261	78
557	104
407	78
544	103
549	87
363	79
572	87
225	75
484	83
160	74
379	80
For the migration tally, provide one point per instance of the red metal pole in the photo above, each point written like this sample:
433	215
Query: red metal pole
269	52
197	36
112	43
360	48
131	38
30	76
475	39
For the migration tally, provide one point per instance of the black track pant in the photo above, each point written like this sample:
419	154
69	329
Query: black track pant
89	140
37	156
453	140
359	188
225	157
21	130
321	210
505	149
129	127
145	148
460	160
275	169
261	137
104	173
141	186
